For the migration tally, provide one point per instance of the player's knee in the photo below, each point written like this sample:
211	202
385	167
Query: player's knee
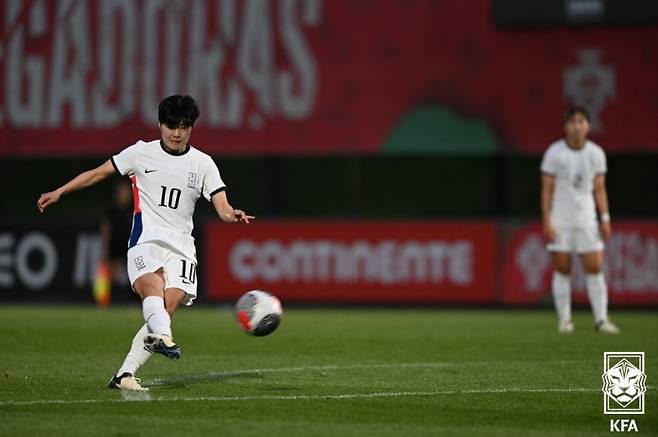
170	307
173	298
593	264
562	263
564	270
147	288
593	269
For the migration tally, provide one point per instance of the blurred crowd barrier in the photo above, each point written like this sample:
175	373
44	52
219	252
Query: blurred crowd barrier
481	262
289	77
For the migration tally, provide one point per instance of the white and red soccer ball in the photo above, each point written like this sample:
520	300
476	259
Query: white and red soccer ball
258	312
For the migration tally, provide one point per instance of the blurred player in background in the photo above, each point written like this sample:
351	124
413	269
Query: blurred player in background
168	177
573	188
114	234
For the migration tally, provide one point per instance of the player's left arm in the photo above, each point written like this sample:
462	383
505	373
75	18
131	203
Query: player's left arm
82	180
226	212
601	198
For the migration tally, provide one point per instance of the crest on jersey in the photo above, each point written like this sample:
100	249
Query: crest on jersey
624	383
191	180
590	83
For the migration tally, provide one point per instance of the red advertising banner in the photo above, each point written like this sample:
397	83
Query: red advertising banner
311	76
631	266
353	262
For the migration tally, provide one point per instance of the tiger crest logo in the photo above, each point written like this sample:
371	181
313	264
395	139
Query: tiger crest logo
624	382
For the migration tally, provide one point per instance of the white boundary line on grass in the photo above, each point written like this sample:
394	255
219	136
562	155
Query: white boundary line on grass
228	373
145	397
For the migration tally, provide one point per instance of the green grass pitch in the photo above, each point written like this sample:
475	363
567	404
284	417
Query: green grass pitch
343	372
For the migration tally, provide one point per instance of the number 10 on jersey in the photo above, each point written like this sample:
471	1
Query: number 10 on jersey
174	197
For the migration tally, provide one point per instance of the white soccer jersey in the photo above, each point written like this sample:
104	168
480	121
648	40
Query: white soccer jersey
165	190
574	171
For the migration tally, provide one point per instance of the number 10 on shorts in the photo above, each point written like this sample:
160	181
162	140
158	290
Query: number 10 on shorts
188	272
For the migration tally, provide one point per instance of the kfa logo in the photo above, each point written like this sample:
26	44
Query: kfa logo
623	425
624	386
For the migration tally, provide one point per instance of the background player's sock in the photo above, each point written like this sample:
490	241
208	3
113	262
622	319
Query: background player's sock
156	316
137	355
597	290
562	295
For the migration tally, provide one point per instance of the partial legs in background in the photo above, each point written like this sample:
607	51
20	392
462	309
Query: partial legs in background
561	287
597	291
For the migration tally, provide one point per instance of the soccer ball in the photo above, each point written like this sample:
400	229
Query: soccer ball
258	312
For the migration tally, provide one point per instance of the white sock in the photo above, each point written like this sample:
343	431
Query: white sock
562	295
137	355
156	316
597	290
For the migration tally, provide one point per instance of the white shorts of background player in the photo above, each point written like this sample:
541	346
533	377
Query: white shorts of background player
576	240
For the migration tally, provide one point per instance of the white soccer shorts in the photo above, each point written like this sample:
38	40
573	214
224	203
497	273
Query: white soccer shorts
578	241
179	271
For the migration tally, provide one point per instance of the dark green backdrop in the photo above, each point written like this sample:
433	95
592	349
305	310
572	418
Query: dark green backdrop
348	186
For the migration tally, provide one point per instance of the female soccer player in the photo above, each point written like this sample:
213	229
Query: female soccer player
573	187
168	176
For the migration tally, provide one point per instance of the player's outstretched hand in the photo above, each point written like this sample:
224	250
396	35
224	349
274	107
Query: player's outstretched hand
47	199
241	216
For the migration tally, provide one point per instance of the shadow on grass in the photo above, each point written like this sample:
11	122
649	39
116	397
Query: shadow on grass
181	381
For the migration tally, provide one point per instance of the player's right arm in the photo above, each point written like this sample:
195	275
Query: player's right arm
82	180
547	190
